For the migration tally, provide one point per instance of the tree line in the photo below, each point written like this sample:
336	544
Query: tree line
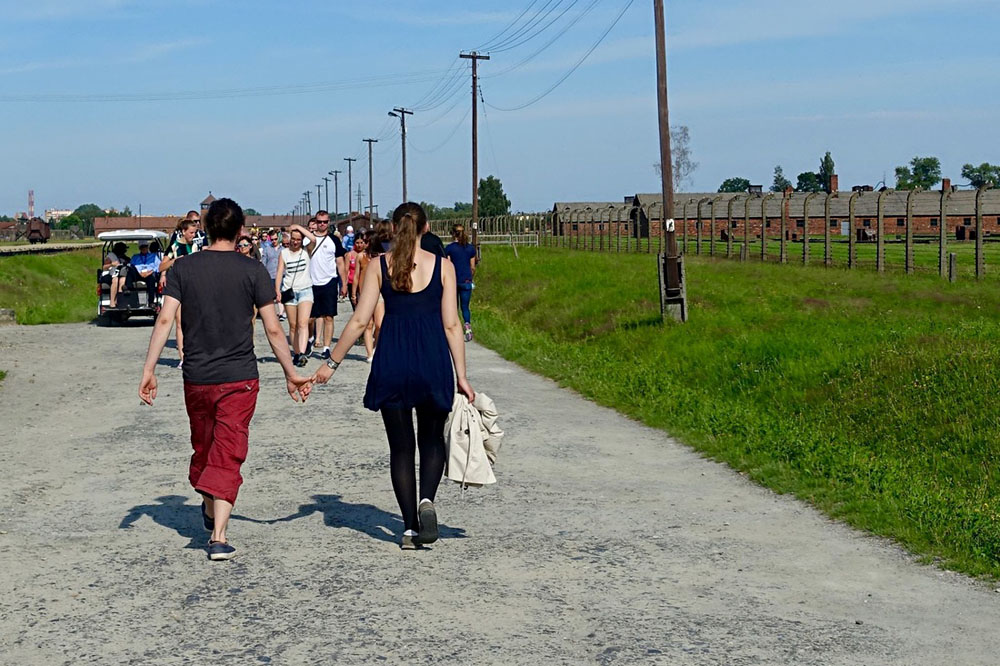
921	173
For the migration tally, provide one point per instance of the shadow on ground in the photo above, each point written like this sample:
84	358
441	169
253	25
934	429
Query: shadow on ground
174	513
365	518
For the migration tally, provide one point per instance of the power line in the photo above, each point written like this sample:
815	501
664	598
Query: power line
549	43
571	70
528	38
446	93
229	93
496	38
451	135
543	13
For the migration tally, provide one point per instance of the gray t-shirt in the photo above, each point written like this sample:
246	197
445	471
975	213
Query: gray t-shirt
218	292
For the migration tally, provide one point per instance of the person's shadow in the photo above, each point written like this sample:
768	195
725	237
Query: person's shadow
365	518
173	512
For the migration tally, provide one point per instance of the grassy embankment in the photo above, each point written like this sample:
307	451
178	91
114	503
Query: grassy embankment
50	288
873	398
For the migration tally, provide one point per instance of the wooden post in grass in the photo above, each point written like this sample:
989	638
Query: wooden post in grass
745	255
880	231
827	249
805	227
980	263
952	268
850	229
684	247
909	232
943	229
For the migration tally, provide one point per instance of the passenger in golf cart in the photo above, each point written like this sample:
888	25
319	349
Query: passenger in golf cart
127	285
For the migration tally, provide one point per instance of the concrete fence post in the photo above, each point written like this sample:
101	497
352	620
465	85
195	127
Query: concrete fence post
763	225
908	261
745	255
943	232
805	227
729	229
880	232
952	268
827	248
783	254
684	232
712	229
851	240
980	260
698	225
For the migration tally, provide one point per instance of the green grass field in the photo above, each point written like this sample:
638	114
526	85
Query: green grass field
872	397
50	288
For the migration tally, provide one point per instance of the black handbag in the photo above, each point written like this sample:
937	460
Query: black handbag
287	295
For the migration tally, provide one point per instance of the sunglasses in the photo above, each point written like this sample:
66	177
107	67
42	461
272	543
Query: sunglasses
243	245
322	221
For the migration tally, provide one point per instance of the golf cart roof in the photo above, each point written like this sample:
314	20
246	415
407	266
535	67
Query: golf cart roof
129	235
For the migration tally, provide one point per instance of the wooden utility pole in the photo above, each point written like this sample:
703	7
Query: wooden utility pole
673	297
371	211
350	192
326	191
336	193
401	113
475	58
319	191
359	199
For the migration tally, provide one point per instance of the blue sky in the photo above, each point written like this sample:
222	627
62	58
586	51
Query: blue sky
122	102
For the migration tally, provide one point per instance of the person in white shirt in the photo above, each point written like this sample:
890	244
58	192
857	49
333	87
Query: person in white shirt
326	263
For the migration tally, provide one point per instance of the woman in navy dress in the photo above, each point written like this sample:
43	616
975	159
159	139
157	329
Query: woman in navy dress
420	341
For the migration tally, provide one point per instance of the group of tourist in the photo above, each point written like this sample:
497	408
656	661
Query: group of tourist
405	311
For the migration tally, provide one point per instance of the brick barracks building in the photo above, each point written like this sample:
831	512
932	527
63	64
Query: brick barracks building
736	213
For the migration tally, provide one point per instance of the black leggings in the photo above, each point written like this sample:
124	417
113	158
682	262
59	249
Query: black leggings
402	449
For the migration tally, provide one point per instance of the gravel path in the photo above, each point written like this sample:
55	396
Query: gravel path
604	542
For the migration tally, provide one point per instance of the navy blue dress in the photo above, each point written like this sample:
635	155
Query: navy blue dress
412	365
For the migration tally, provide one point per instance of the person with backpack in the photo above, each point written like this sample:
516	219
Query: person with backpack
462	254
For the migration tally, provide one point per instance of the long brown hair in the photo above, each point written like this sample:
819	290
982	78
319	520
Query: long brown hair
408	221
458	233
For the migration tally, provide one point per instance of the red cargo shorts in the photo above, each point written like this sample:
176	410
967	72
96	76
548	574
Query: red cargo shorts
220	425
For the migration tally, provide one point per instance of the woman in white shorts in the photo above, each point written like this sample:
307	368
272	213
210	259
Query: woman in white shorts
292	278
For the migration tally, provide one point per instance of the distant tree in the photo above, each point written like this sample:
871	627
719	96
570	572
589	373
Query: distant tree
69	222
127	212
492	200
86	214
250	211
114	212
734	185
826	169
435	212
780	183
808	181
680	156
463	207
923	173
985	173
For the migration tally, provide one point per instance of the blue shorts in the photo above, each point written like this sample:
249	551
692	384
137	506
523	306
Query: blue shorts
303	296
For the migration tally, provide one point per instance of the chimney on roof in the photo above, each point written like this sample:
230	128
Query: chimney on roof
946	184
834	183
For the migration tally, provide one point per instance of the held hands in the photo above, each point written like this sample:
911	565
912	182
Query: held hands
299	387
147	387
465	388
322	375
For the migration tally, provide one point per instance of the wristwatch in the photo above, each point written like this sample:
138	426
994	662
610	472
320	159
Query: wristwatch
333	365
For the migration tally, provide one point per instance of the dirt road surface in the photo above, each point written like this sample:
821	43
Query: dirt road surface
604	542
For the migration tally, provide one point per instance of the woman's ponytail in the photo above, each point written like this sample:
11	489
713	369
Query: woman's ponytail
458	233
408	222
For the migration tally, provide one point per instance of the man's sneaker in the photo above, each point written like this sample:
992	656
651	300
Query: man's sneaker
408	543
428	523
326	353
309	346
468	332
219	550
209	523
